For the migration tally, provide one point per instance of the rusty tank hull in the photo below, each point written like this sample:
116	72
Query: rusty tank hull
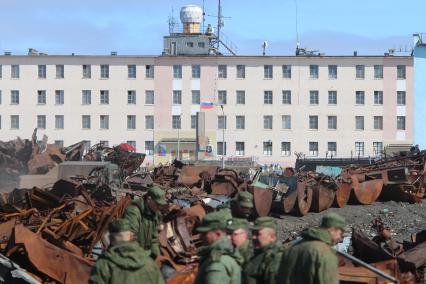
343	193
304	199
322	198
365	192
262	198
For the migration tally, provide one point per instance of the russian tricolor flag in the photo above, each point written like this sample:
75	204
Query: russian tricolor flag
207	105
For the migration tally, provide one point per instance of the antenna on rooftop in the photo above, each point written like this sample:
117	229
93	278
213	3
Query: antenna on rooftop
297	26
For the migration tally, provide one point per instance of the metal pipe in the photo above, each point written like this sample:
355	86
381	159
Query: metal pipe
368	266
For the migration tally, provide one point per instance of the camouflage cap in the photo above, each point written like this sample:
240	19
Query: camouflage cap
157	194
237	223
214	221
265	222
333	220
245	199
119	225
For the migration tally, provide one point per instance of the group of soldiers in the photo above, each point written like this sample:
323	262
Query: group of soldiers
229	256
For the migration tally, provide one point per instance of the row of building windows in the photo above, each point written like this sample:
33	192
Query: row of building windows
86	71
268	71
330	151
240	122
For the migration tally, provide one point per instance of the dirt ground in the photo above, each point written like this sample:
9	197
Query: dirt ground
404	219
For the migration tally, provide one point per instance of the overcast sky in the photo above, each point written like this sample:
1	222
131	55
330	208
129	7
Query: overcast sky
137	26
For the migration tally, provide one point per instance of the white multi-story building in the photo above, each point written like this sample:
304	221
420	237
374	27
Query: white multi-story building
273	106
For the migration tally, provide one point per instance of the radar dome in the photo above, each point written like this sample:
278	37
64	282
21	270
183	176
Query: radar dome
191	14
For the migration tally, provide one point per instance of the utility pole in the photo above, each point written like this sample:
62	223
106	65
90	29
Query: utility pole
223	136
219	23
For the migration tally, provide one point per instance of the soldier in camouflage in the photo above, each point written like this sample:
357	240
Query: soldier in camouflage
238	233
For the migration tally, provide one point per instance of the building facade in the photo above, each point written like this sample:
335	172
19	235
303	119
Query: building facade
420	90
273	106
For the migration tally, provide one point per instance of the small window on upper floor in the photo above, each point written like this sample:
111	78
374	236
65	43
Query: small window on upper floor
401	72
222	71
190	44
360	71
177	71
201	45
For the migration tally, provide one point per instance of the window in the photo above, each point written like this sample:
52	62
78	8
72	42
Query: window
220	149
359	122
239	148
104	143
131	71
313	71
332	122
177	97
222	71
41	97
286	122
313	97
378	71
104	97
176	122
190	44
59	97
241	97
132	143
285	149
177	71
359	97
221	97
313	149
267	97
104	71
313	122
196	71
193	121
359	149
332	71
14	97
149	97
149	148
87	71
14	121
240	122
332	97
201	45
378	122
59	122
1	71
286	97
41	121
241	71
14	72
131	122
60	143
287	71
42	71
104	122
149	71
149	122
85	122
86	97
377	149
332	148
0	97
221	122
268	72
131	97
400	70
267	122
267	148
400	122
60	73
378	97
195	97
360	71
400	98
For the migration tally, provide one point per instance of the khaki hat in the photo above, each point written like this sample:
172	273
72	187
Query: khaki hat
265	222
119	225
237	223
245	199
333	220
157	194
213	221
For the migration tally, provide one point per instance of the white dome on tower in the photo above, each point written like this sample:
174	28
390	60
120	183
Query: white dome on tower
191	14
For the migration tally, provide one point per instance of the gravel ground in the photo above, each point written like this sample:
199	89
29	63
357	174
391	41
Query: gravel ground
402	218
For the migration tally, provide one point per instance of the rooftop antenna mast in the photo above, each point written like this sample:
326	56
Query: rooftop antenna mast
297	28
219	22
204	15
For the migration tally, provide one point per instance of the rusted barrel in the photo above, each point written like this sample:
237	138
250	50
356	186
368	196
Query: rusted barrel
365	192
322	197
342	194
262	198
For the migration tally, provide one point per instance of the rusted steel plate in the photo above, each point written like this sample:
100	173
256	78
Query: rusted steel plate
366	192
342	194
262	199
56	263
355	274
322	198
184	276
400	192
288	201
304	199
190	175
224	188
